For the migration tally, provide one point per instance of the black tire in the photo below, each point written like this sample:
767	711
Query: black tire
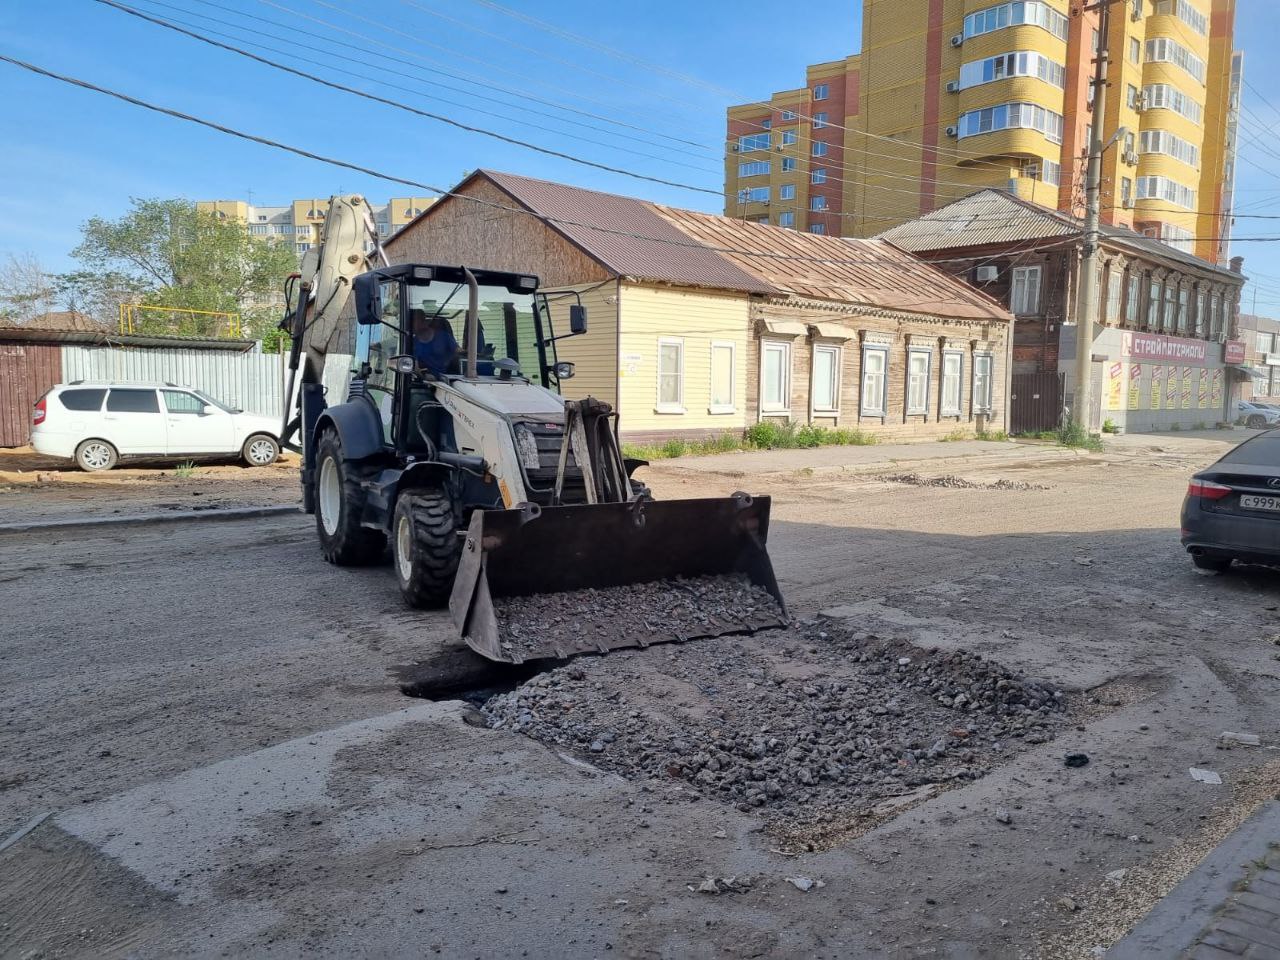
260	450
425	547
343	541
1214	563
93	455
1256	422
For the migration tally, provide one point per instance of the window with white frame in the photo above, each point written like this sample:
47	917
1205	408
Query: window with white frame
875	383
820	120
918	362
670	375
1165	96
818	175
819	149
754	195
1032	12
754	141
753	168
1006	65
1162	141
982	364
1135	50
1114	292
817	204
817	228
1185	12
825	388
1153	305
952	379
787	116
1202	319
723	369
1163	188
1025	296
1184	311
1006	116
1133	299
788	164
788	137
787	191
786	219
821	91
259	229
1170	306
1164	50
775	376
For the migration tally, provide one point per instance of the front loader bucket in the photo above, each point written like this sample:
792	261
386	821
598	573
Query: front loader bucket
514	600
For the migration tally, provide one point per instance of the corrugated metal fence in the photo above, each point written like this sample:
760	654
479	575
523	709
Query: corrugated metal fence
251	381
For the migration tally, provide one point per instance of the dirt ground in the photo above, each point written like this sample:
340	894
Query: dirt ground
210	717
33	487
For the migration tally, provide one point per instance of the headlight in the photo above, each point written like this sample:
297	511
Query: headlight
527	447
564	370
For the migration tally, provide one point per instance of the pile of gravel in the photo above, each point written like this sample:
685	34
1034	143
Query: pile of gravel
560	624
959	483
800	723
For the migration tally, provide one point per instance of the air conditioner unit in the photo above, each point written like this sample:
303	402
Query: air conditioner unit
1131	157
1137	10
986	274
953	132
1127	203
953	86
957	40
735	148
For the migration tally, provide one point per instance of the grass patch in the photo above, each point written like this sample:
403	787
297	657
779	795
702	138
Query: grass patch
992	436
185	469
1109	426
760	436
957	435
1072	435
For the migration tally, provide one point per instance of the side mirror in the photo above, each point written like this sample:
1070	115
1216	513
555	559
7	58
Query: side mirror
404	363
368	293
577	319
564	370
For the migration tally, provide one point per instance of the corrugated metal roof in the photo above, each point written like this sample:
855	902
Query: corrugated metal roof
659	252
97	338
996	217
865	272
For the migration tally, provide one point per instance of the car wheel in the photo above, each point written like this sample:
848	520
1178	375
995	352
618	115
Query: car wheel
1214	563
426	547
1256	422
260	450
95	455
339	507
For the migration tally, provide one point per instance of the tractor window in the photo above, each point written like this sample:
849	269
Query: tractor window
508	326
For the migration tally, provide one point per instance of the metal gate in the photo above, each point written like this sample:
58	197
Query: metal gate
26	371
1035	403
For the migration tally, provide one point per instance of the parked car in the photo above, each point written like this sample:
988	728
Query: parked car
96	424
1232	510
1259	416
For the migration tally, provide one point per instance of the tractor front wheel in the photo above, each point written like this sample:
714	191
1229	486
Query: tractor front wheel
426	546
340	507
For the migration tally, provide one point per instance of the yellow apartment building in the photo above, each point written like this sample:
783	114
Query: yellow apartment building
948	97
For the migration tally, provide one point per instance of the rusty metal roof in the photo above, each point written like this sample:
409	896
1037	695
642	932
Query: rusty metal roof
625	235
865	272
993	216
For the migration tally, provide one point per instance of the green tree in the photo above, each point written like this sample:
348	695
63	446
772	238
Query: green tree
166	253
26	290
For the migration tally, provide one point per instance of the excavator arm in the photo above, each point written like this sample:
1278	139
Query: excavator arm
316	297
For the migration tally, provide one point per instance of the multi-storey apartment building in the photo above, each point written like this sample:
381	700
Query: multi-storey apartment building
300	220
952	96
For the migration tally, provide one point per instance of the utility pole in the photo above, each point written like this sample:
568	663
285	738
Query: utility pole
1087	304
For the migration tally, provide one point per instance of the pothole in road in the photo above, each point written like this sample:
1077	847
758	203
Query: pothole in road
812	727
951	482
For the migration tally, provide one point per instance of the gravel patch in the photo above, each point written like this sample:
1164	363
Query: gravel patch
960	483
803	724
557	624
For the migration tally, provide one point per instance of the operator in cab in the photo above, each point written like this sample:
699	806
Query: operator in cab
434	347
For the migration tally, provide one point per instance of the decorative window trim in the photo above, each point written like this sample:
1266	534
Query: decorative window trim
659	406
874	346
921	409
944	409
766	344
834	409
990	358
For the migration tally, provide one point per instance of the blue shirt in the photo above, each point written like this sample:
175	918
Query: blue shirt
437	353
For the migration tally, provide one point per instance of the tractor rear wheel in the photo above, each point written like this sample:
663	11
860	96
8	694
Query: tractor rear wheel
426	546
339	507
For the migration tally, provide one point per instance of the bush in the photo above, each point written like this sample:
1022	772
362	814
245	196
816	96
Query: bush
1109	426
767	435
998	436
1074	435
956	435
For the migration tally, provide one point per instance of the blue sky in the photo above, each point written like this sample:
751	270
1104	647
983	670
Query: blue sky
70	154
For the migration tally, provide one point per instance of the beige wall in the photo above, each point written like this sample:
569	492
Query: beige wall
595	353
696	318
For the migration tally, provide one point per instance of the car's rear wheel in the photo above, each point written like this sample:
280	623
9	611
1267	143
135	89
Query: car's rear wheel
1211	562
260	450
95	455
1256	421
339	508
426	546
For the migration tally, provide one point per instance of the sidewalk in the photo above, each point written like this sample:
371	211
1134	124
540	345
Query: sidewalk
868	459
1227	908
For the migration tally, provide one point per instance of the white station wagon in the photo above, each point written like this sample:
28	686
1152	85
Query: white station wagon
96	424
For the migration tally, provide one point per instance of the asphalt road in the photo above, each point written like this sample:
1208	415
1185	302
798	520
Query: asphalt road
209	713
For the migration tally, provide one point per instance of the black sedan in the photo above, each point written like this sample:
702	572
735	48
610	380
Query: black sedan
1232	509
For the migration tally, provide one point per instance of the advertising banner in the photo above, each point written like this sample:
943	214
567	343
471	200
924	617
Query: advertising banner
1233	351
1186	388
1154	346
1135	386
1157	386
1171	389
1202	394
1115	386
1215	392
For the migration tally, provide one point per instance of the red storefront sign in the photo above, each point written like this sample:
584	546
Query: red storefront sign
1153	346
1233	351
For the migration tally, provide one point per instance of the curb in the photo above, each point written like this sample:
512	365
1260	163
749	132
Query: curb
230	513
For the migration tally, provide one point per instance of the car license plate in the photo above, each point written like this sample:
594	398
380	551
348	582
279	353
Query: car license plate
1249	502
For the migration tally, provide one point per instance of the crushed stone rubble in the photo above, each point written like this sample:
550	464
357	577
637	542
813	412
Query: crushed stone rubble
959	483
801	724
634	615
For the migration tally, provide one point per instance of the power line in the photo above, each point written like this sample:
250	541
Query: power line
402	106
